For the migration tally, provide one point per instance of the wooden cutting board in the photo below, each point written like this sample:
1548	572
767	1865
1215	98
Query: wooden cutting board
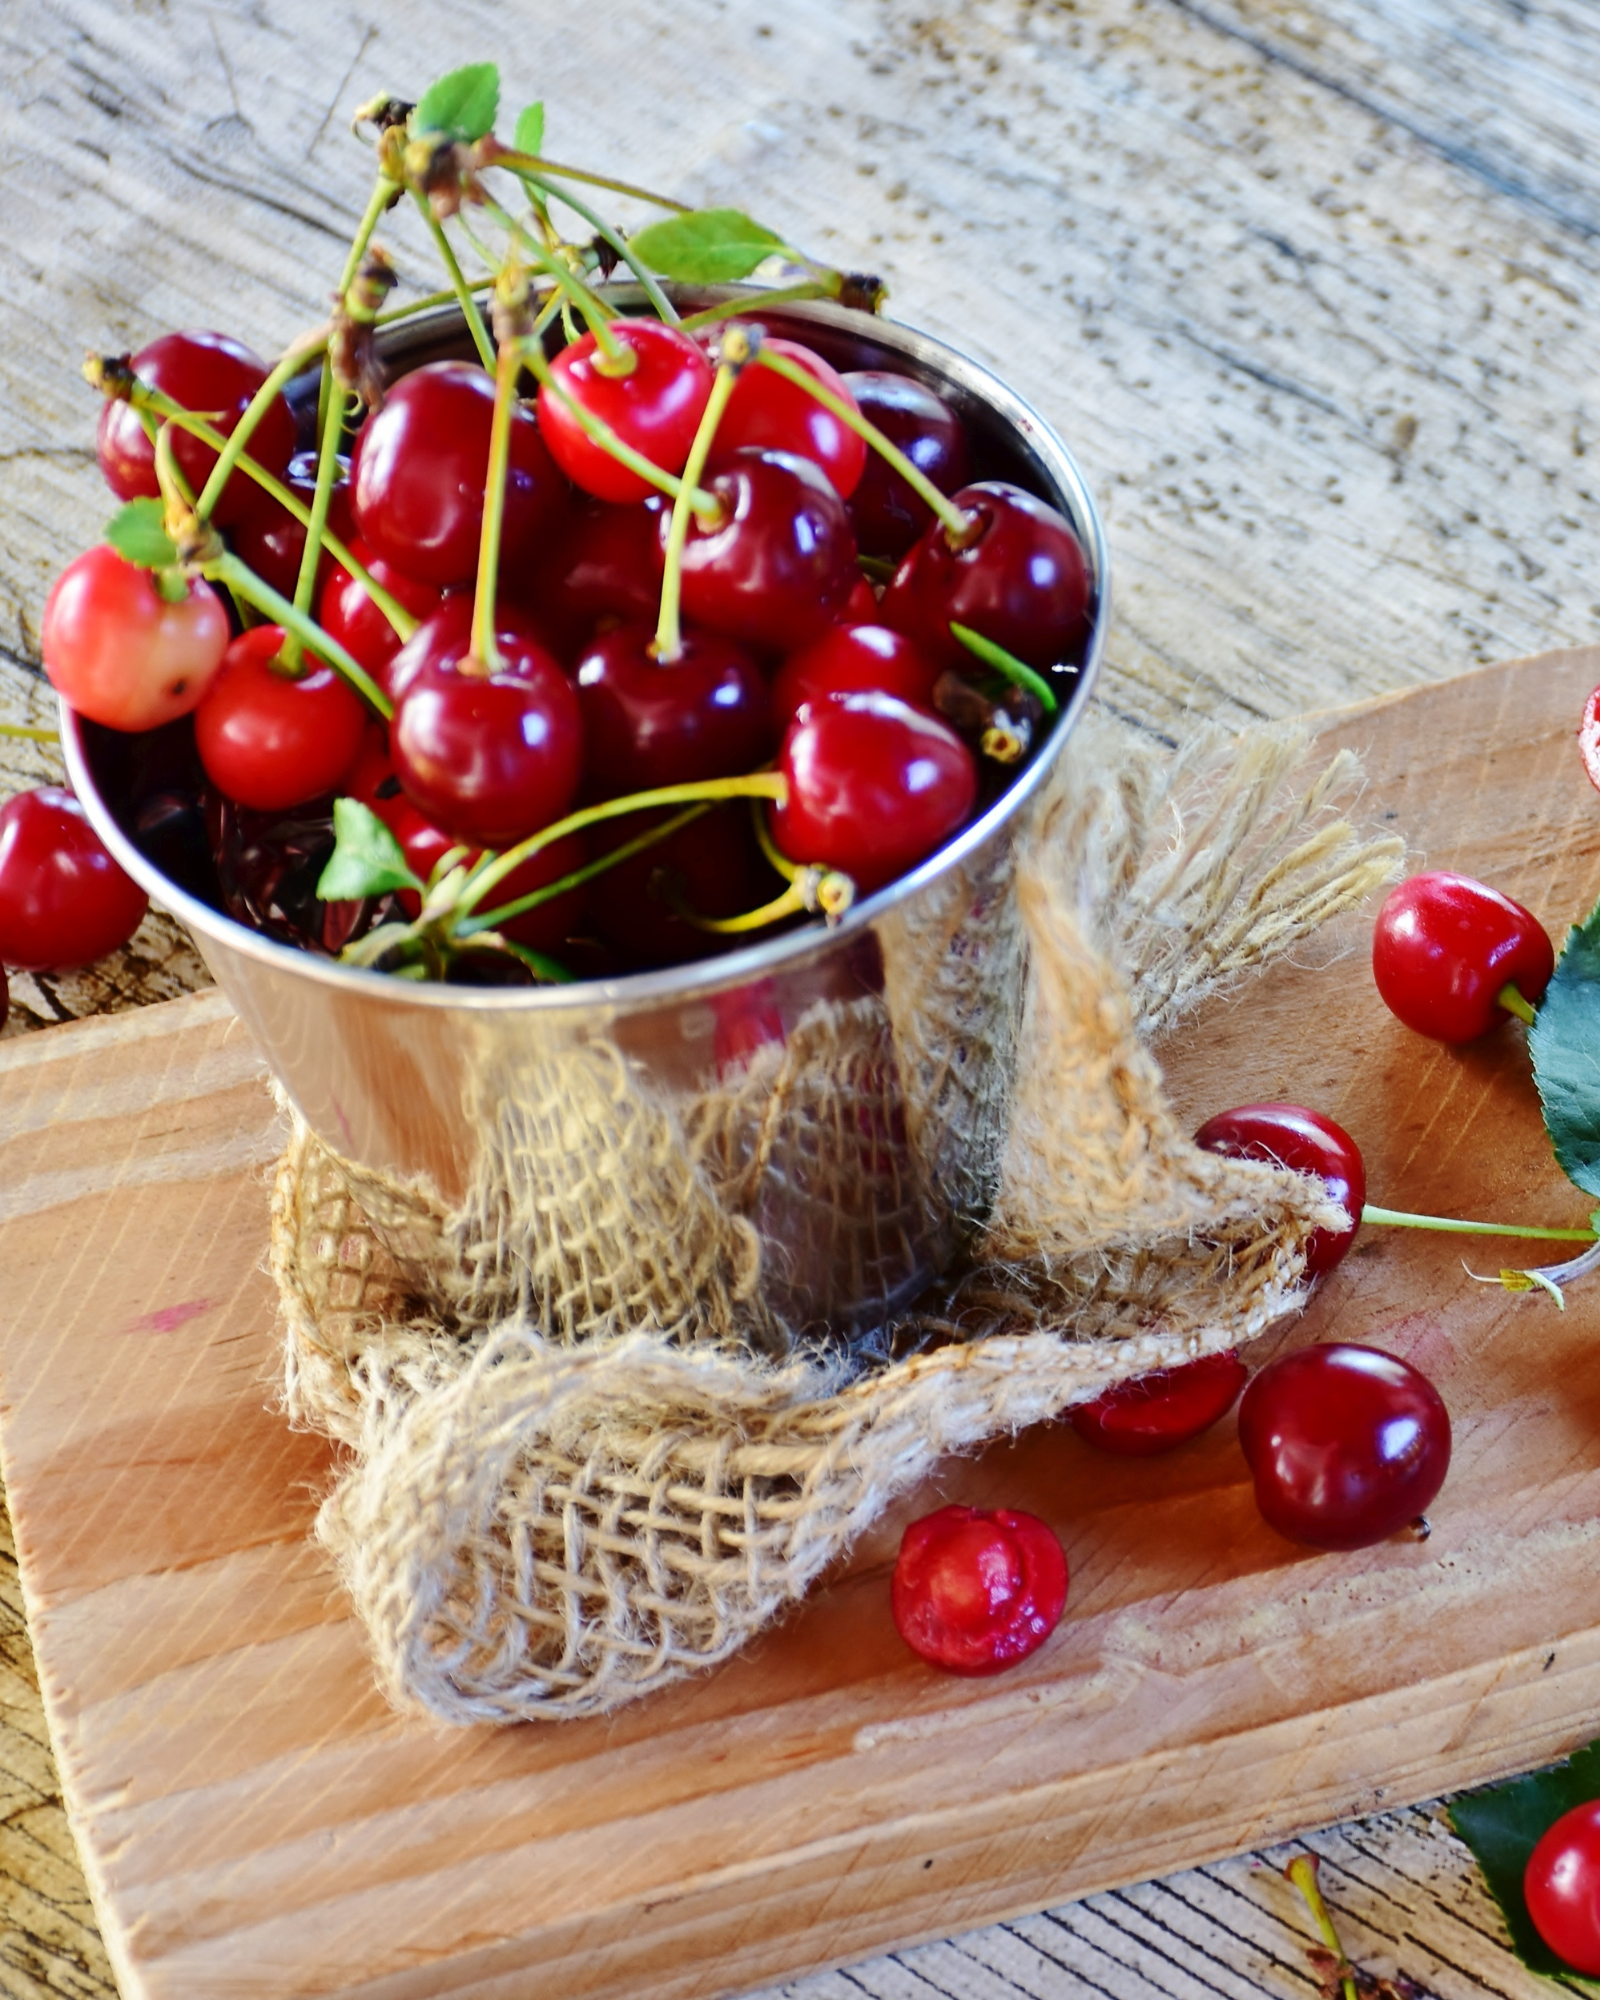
255	1822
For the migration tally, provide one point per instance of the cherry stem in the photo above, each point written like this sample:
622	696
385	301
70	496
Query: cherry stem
647	279
1510	997
776	858
458	281
305	583
243	581
430	300
30	735
791	903
957	526
496	155
756	302
1398	1218
669	626
1302	1872
293	362
494	869
508	366
507	912
615	358
1018	672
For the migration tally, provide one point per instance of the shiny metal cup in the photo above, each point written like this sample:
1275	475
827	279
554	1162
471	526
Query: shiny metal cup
839	1094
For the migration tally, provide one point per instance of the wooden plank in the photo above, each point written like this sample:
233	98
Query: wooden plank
256	1822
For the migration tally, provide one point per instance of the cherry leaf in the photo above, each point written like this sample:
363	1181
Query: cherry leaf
529	135
1564	1042
366	860
1503	1825
461	105
138	534
708	246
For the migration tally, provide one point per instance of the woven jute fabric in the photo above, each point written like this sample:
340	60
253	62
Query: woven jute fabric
589	1448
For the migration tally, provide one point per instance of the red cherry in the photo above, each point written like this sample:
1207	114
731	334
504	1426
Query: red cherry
1347	1445
712	865
764	409
603	567
543	927
489	757
63	900
417	476
1288	1135
779	564
656	408
1444	947
649	722
860	607
874	786
269	742
848	658
348	614
1561	1887
215	377
1024	582
886	514
272	541
371	777
119	652
976	1591
1154	1413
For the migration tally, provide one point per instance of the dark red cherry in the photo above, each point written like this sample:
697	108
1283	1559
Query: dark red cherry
1288	1135
875	786
1024	582
489	757
543	927
63	900
1150	1414
712	866
1347	1445
656	408
371	777
860	607
649	722
976	1590
215	377
764	409
886	514
272	541
602	567
1446	946
853	657
348	614
777	567
270	742
418	473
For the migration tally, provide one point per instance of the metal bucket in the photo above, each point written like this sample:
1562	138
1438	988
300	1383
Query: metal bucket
856	1089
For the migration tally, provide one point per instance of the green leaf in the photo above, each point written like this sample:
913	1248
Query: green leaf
529	135
461	105
1564	1042
1502	1826
709	246
366	860
138	534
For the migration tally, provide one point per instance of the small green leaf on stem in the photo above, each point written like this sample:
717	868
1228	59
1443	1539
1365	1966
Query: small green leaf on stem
708	246
138	533
461	105
366	860
1564	1043
1503	1825
529	135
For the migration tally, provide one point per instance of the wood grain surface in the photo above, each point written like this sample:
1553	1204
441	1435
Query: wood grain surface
1307	286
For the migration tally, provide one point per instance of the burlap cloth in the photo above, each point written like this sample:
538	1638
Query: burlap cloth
586	1452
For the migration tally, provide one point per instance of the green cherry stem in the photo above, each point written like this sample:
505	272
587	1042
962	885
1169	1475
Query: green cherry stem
294	362
1302	1872
1510	997
756	302
652	837
290	659
508	365
429	301
1018	672
615	358
669	627
493	154
243	582
1397	1218
705	504
29	734
648	281
461	290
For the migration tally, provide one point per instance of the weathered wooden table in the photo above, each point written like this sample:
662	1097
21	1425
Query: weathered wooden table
1306	287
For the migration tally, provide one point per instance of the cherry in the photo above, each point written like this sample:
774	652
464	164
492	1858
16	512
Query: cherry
874	786
63	900
272	541
418	472
712	866
489	757
268	867
648	722
347	614
861	606
371	778
886	514
215	377
1561	1887
268	741
1022	582
777	566
975	1591
1445	947
1347	1445
764	409
853	657
1149	1414
119	651
603	566
1288	1135
656	407
543	927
